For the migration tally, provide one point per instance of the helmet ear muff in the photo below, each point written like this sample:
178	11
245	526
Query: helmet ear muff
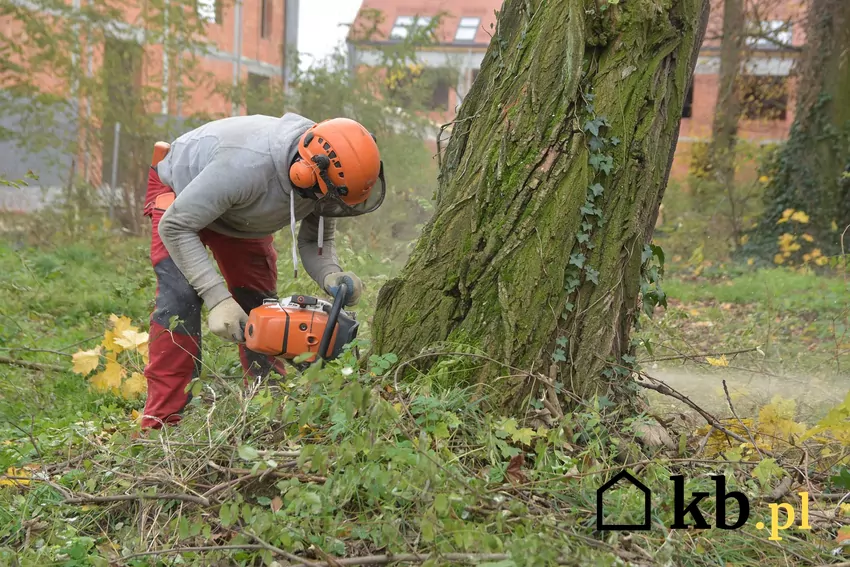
302	175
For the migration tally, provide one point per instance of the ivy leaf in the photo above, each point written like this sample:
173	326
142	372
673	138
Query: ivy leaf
582	237
561	341
646	254
569	307
577	260
572	283
659	252
592	126
596	189
593	275
606	164
588	208
628	359
586	226
615	141
559	355
595	160
597	143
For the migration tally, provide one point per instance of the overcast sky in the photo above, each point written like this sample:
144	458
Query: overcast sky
319	29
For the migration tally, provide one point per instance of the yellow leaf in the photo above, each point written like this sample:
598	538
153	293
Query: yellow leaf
816	253
745	239
822	261
13	472
131	340
786	214
764	179
109	342
800	217
121	324
778	259
134	386
717	361
750	261
109	379
833	226
86	361
808	237
845	509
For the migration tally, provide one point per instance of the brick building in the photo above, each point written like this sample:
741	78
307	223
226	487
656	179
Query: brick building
250	40
465	31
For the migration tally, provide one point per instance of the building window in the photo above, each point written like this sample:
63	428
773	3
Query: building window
405	24
764	97
467	29
769	34
689	101
266	18
209	11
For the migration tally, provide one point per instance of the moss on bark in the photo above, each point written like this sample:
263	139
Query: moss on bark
492	270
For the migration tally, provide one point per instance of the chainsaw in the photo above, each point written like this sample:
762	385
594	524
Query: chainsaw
300	325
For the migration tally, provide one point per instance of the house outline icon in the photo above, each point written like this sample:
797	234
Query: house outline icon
645	526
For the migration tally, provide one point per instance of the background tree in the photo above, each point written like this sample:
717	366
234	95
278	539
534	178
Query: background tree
539	248
727	111
809	173
69	73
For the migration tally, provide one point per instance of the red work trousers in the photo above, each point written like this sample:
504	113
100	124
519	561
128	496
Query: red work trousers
249	266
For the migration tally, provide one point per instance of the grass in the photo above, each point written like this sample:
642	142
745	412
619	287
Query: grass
346	462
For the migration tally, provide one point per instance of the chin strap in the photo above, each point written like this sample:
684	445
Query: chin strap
292	227
321	233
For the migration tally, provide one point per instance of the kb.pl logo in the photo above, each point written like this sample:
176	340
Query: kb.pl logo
682	510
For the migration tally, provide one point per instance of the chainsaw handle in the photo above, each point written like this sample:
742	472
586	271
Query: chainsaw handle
339	299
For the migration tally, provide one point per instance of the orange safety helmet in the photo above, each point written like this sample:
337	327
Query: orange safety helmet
340	158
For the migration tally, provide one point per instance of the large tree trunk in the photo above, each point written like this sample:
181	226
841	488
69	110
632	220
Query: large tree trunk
548	194
728	108
809	172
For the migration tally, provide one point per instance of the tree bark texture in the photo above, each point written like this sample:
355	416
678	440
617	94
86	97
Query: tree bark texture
810	171
727	110
548	193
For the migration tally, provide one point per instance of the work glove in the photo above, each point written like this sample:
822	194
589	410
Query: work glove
355	286
228	320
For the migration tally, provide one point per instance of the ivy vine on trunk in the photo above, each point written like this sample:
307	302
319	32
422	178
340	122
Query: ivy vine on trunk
538	254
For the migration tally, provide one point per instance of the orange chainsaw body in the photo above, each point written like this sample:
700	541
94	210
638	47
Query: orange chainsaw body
294	327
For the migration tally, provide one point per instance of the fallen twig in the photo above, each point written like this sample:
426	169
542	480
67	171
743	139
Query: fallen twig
666	390
32	365
248	475
747	429
281	552
45	350
410	558
701	355
122	497
201	548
